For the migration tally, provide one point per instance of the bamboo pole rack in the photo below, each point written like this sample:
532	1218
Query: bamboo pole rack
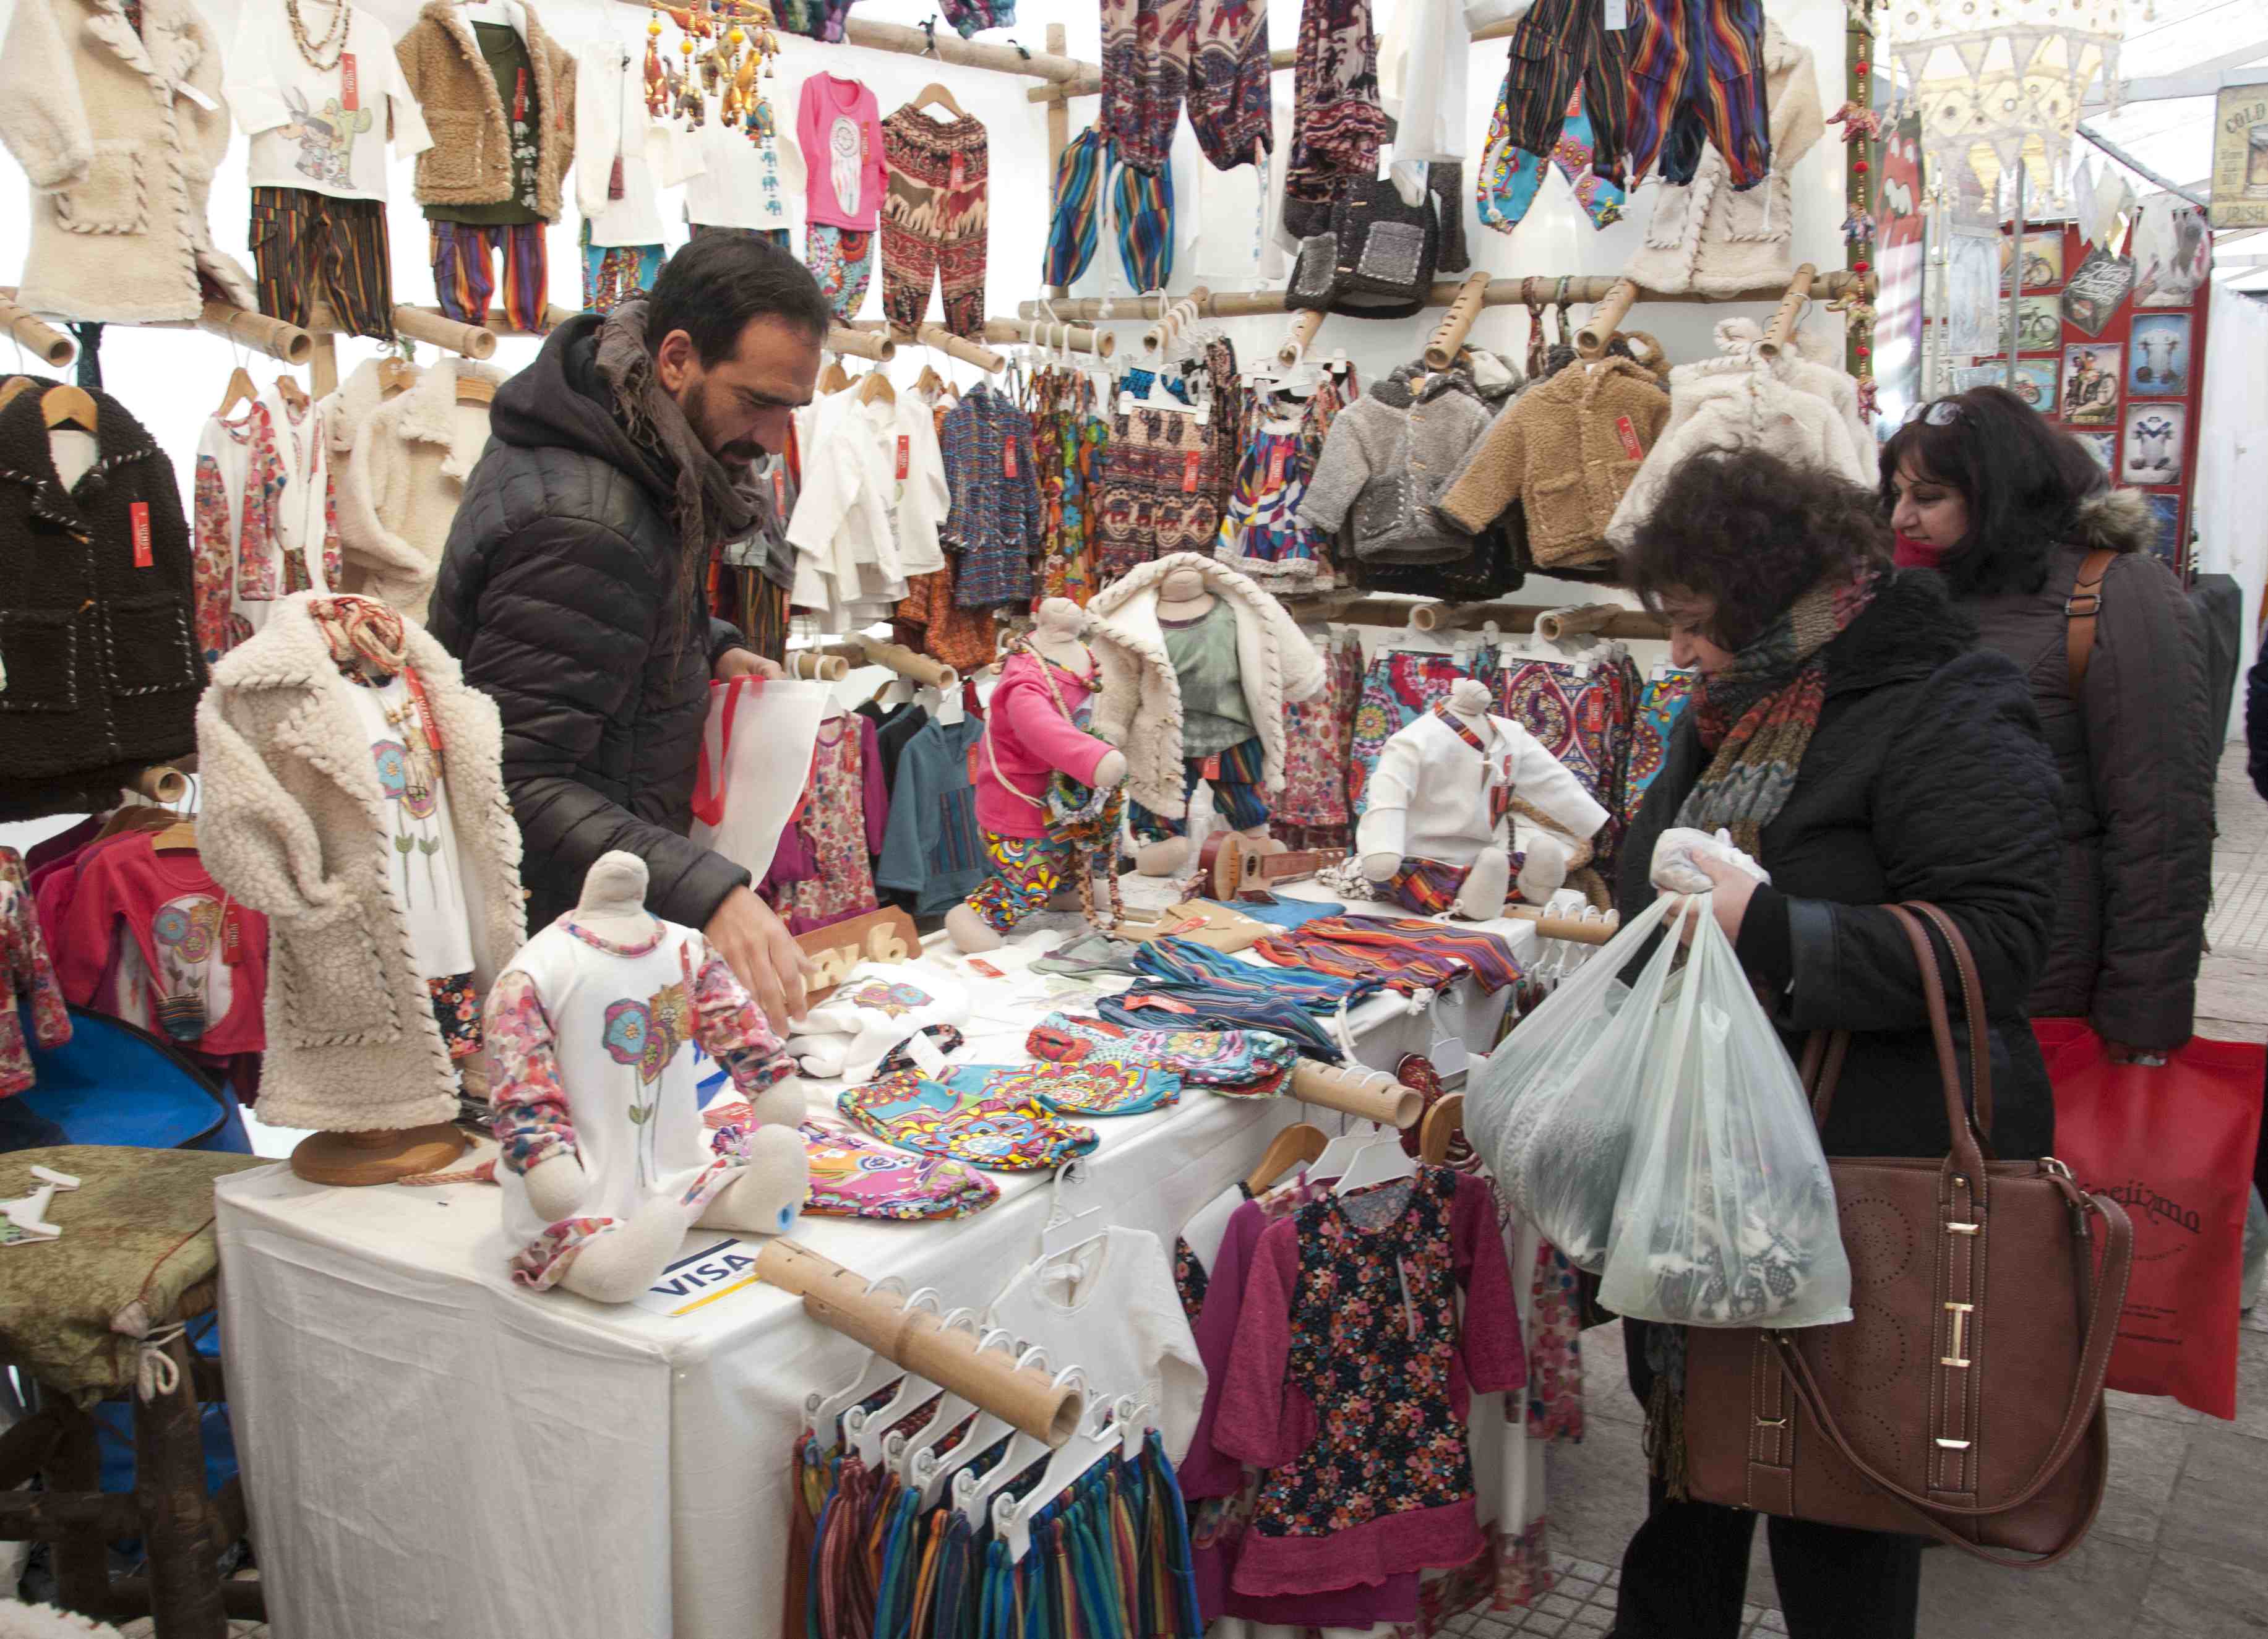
496	324
1507	292
809	665
1599	328
865	650
843	1301
1572	929
1061	337
872	344
1372	1094
1161	335
423	324
1088	82
1606	620
34	335
1791	308
1449	335
1050	65
1299	338
951	345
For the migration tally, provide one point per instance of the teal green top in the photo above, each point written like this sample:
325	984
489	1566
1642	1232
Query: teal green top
506	55
1214	713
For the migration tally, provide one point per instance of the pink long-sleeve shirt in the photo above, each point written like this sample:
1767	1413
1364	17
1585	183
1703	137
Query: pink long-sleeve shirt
1030	740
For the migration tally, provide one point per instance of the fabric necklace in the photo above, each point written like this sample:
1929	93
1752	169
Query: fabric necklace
1756	715
1499	790
708	505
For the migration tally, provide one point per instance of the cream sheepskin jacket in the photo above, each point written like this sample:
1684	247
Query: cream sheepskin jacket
400	467
1787	407
118	133
1137	707
294	824
1707	239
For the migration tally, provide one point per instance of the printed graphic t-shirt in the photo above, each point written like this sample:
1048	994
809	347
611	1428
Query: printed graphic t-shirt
313	128
841	130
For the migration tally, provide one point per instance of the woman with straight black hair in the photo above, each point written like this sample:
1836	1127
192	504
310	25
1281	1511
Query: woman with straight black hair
2015	514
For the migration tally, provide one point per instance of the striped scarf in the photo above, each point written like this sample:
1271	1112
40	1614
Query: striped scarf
1756	715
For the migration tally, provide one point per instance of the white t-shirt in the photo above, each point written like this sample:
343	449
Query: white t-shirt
1110	1307
422	839
847	569
920	498
744	183
611	124
308	129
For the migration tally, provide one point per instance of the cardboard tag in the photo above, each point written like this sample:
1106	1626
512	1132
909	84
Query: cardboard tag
977	964
924	1054
196	96
349	83
615	179
1632	447
519	97
960	174
1212	767
1191	464
1276	468
1617	16
140	514
1007	458
905	457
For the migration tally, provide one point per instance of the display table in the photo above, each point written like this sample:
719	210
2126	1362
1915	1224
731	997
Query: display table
429	1450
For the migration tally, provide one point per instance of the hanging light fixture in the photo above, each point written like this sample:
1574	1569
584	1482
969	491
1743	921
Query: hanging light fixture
1997	81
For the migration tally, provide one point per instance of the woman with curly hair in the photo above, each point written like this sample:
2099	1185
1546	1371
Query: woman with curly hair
1852	738
2008	510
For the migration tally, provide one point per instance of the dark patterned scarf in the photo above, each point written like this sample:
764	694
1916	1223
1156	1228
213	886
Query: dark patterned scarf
1756	715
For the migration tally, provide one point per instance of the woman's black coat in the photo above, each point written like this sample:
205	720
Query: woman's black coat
1927	778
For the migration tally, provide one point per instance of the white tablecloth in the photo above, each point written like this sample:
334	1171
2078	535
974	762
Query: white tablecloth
432	1451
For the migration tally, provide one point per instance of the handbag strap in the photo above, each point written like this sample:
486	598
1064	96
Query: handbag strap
2079	612
707	783
2102	1300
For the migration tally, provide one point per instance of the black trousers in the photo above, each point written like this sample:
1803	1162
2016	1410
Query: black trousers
1685	1574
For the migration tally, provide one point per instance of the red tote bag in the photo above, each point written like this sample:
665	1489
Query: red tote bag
2173	1144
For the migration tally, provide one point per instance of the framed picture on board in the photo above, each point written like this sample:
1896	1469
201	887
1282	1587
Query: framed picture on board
2090	384
2036	384
2039	324
2166	538
1972	294
2043	259
2156	439
2157	355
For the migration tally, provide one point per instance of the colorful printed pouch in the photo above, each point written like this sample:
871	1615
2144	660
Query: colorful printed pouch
1235	1064
1104	1087
854	1177
1006	1134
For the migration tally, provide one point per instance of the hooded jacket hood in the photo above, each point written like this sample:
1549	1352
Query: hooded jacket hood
562	402
2118	520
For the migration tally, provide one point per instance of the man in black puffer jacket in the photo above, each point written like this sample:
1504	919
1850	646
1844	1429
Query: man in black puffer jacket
570	586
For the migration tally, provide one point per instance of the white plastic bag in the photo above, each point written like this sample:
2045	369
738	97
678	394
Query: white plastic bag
755	760
1651	1124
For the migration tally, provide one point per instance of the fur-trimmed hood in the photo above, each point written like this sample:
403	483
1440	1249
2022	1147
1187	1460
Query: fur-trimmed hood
296	824
2113	519
399	470
1137	705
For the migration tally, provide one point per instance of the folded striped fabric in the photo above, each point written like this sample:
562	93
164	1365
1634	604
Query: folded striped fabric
1413	955
1237	1063
1190	987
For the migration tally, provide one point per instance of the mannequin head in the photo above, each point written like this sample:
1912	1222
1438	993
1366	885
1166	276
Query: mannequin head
1059	619
1181	587
1468	697
612	903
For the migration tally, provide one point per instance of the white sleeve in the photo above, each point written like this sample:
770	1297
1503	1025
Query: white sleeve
410	136
255	97
1540	778
1175	1367
42	117
598	96
1393	785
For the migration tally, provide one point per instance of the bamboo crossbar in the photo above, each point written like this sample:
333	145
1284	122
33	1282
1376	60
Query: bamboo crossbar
1508	292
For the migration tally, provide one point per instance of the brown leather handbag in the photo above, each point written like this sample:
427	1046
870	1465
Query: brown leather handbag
1964	1400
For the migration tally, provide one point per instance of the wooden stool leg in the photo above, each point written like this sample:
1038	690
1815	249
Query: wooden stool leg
82	1559
169	1488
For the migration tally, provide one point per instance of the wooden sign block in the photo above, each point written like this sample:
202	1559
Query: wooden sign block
879	936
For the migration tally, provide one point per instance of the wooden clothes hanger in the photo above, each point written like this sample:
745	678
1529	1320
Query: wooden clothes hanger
475	389
66	406
935	92
396	375
1440	1129
834	377
288	389
15	384
241	393
875	384
1295	1146
180	834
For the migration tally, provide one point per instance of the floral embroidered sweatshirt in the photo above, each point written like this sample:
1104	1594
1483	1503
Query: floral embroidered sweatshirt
1351	1375
1026	740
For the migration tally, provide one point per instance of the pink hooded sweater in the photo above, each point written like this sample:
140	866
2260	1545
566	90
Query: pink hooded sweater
1028	740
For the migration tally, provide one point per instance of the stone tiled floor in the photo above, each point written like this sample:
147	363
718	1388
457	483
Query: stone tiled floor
2181	1548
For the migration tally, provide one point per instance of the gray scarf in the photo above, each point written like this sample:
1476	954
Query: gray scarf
708	507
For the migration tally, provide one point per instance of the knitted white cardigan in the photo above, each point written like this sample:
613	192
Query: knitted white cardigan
294	824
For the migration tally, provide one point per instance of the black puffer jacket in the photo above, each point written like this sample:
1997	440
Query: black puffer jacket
559	594
2137	761
1926	779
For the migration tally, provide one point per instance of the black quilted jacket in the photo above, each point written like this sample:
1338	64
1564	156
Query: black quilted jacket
2137	758
559	594
1926	779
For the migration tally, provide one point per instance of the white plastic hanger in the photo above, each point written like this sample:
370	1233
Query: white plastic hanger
864	1431
1381	1162
29	1213
1096	1440
903	1452
821	1412
972	1497
1339	1154
936	1478
1066	1230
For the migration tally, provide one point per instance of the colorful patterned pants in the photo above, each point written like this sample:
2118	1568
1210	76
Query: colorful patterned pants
1234	776
934	221
307	246
1026	871
843	261
613	274
463	275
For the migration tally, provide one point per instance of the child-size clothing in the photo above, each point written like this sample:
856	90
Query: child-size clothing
307	246
1161	490
845	817
1311	810
843	261
614	274
847	568
27	976
1028	739
815	20
1401	685
854	1177
1099	1087
1234	773
1109	1305
1562	49
996	520
1443	786
1352	1305
935	219
750	176
841	131
313	131
1008	1133
1022	873
589	1041
1215	713
1408	956
1696	72
624	156
921	500
1336	121
256	516
1146	46
933	852
465	255
1581	713
152	939
877	1007
1228	96
1237	1063
1262	533
1506	184
930	621
1661	701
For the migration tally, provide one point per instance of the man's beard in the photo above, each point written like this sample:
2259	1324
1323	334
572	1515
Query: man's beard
735	456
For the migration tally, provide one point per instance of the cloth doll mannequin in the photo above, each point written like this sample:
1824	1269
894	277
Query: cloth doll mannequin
606	1162
1033	730
1436	806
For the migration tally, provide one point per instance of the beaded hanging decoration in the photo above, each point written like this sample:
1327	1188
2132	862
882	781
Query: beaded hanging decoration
335	38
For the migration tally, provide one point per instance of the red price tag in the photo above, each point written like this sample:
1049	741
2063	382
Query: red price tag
1275	468
231	940
959	174
140	514
1632	447
349	83
905	457
1191	464
519	97
1007	457
1212	767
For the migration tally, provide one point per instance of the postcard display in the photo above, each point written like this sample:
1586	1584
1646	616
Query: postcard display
2118	363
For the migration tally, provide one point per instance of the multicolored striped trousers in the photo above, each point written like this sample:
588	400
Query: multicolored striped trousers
307	246
464	276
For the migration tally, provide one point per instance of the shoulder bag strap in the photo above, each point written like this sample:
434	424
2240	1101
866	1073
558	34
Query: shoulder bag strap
2079	612
708	781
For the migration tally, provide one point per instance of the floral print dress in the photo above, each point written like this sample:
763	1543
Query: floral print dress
846	814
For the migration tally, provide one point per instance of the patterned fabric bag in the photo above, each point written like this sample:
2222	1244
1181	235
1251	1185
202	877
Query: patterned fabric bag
1009	1134
854	1177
